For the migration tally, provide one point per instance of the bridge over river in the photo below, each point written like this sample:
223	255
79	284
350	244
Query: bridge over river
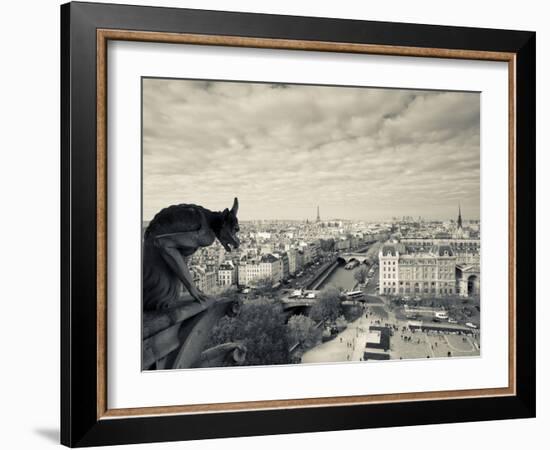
298	305
348	257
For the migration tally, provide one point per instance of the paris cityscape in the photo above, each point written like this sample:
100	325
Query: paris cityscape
376	258
403	289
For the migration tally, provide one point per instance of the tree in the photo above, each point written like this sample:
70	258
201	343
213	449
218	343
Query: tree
302	330
360	274
263	284
230	292
261	327
263	287
327	245
340	323
327	306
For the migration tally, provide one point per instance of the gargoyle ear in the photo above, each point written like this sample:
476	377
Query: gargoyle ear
225	213
235	207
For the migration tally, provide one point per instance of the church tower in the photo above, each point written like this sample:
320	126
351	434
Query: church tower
318	215
459	233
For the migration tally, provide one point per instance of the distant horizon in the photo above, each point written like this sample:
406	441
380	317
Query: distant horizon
334	219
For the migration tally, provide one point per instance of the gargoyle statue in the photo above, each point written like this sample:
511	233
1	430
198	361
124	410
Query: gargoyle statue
174	234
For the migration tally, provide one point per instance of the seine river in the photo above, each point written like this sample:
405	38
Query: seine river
341	278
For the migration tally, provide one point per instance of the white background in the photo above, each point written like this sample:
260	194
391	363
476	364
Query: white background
128	387
29	194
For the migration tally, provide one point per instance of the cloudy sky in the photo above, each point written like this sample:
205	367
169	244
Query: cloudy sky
358	153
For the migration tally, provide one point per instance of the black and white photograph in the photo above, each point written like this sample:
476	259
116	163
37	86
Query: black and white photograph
275	224
300	224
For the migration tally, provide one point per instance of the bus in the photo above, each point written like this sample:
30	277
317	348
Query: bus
354	295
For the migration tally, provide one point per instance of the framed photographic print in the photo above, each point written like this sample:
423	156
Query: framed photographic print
277	224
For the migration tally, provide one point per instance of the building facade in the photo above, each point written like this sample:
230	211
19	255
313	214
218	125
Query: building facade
267	267
205	280
285	265
428	268
292	267
226	275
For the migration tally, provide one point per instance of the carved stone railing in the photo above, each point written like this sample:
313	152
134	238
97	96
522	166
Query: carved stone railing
175	338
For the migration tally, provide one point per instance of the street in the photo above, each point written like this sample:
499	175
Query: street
349	345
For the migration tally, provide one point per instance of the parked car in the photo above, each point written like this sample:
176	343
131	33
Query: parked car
451	320
471	325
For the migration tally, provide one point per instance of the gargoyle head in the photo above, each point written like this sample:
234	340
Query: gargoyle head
230	227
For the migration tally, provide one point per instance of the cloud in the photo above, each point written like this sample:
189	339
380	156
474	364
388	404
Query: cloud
361	153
